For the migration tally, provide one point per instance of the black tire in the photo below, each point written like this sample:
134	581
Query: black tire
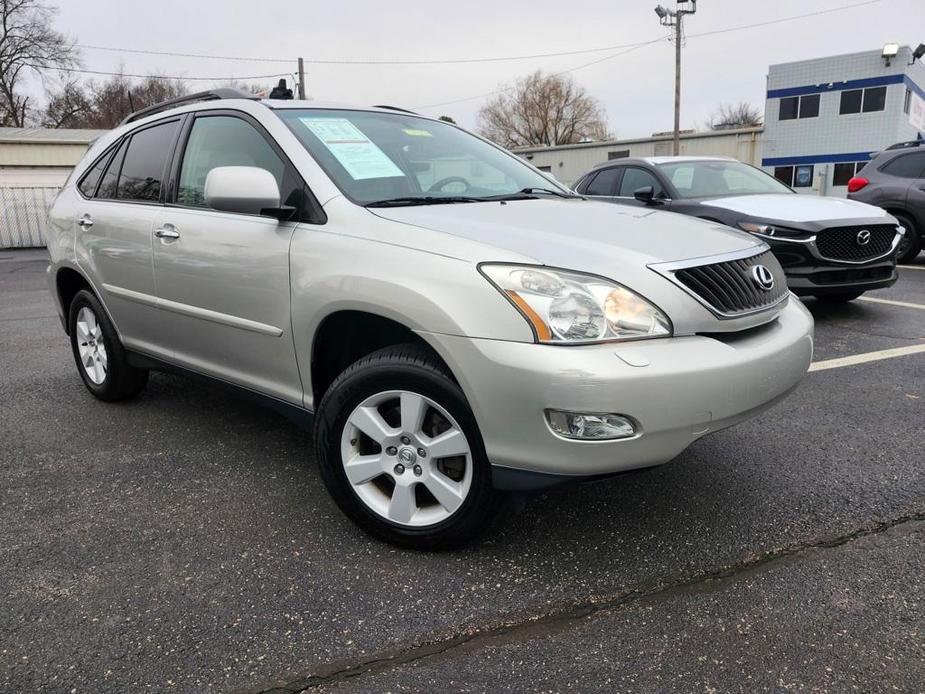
839	298
121	381
414	369
911	245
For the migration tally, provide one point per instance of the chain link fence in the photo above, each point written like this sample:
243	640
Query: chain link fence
22	216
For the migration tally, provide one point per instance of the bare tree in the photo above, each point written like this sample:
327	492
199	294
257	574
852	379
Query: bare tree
739	115
28	45
543	110
104	104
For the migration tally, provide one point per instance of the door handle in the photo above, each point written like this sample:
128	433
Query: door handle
85	221
168	231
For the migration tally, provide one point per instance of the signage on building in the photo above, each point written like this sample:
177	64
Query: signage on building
917	112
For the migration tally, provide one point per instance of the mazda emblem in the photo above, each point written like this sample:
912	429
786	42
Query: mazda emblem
863	237
763	277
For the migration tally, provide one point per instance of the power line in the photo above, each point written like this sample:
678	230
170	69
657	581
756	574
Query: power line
224	78
647	43
452	61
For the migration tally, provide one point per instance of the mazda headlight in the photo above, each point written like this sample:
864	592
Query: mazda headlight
569	307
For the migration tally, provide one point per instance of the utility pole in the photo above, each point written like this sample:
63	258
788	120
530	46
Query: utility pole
674	18
301	79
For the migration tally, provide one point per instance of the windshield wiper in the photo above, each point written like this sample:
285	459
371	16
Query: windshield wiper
529	193
422	200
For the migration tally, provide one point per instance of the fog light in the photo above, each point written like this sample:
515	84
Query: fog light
590	427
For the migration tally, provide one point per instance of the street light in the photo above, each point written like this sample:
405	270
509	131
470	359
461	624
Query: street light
889	52
673	19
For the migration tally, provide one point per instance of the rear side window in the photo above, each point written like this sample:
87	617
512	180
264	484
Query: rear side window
224	141
108	184
604	182
92	177
906	166
145	163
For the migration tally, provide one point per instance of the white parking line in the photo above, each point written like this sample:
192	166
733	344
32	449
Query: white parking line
866	357
912	267
890	302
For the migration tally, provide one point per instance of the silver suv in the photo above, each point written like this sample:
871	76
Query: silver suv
457	323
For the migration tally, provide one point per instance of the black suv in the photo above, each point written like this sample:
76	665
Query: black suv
895	180
830	248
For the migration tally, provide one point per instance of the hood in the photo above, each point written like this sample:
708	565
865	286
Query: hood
583	235
789	207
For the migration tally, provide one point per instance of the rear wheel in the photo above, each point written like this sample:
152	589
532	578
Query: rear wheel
911	244
839	298
100	357
400	451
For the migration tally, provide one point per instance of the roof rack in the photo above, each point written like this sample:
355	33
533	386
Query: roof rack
395	108
906	145
211	95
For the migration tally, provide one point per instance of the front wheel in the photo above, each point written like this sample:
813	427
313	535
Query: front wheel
838	298
911	244
400	451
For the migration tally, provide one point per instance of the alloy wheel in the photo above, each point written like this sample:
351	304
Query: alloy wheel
91	346
406	458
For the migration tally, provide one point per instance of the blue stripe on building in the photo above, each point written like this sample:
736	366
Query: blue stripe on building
817	159
914	87
842	86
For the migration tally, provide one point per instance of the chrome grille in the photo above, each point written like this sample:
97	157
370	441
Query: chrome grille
729	288
842	243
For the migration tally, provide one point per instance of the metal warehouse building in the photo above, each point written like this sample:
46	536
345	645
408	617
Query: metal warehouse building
567	162
825	117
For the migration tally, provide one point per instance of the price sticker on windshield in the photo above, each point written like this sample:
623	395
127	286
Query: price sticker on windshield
359	155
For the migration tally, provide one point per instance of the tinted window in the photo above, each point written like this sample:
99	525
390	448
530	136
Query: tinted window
844	173
809	106
223	141
874	99
906	166
803	176
92	177
789	108
603	183
107	187
145	163
784	174
851	101
619	154
634	179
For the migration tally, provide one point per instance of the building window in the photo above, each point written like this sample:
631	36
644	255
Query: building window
803	176
863	100
793	107
619	154
784	174
809	106
845	172
547	169
874	99
907	102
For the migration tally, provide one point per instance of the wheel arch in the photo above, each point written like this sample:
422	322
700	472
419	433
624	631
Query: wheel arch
347	335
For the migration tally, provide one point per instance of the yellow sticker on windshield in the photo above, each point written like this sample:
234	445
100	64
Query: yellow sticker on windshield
416	133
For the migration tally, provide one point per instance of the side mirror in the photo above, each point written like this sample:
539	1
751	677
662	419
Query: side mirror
645	194
243	189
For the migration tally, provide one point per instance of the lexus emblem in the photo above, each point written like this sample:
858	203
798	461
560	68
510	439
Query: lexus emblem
763	277
863	237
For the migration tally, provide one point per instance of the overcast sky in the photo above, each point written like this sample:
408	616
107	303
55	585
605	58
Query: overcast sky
636	88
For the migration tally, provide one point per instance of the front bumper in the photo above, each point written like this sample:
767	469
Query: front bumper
811	274
690	386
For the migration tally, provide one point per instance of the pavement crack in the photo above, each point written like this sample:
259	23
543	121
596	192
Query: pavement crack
564	616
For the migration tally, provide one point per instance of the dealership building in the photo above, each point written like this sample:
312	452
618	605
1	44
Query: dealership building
825	117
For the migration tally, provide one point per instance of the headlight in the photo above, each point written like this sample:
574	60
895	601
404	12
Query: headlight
769	230
568	307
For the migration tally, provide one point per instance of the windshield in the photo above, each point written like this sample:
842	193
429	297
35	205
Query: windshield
378	157
704	179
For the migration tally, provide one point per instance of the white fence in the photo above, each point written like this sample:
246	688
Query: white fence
22	216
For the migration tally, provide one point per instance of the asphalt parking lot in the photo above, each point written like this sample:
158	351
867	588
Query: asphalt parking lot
184	542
